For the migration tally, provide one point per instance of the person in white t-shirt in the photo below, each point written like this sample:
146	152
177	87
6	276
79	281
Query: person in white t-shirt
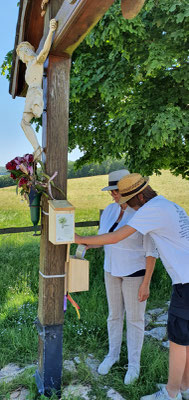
128	267
168	224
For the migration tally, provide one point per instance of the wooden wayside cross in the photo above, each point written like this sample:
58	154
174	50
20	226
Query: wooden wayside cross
75	18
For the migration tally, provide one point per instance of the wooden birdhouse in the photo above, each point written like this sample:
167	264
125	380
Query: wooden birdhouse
77	272
61	222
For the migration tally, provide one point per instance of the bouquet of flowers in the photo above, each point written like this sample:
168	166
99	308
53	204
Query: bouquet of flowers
33	182
29	178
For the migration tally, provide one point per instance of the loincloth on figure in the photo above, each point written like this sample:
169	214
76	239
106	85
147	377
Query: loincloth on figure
34	101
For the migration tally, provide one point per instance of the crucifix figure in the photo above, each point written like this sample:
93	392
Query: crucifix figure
33	77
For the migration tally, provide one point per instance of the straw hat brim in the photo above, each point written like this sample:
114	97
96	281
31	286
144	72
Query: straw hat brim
124	199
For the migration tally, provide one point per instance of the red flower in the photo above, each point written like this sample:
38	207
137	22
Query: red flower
23	181
12	176
11	165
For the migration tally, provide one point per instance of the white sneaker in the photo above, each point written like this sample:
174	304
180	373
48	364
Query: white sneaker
106	365
161	395
131	375
161	385
185	394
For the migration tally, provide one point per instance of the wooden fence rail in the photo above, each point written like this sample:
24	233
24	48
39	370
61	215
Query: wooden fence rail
21	229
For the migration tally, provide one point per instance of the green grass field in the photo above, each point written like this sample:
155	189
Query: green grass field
86	195
19	264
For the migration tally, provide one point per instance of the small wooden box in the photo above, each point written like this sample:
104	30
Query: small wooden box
61	222
77	275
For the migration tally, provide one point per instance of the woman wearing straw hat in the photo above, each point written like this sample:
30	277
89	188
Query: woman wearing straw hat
168	224
126	287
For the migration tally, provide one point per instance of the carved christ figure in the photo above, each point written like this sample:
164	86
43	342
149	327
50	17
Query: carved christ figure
33	77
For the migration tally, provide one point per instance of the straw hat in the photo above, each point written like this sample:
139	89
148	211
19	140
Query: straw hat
114	177
131	185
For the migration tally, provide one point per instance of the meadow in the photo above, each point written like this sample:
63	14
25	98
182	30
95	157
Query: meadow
19	266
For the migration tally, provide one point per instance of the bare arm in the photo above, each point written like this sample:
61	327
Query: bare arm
144	289
46	48
106	238
93	246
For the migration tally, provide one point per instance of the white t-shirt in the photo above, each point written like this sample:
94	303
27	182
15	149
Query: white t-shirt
168	224
129	255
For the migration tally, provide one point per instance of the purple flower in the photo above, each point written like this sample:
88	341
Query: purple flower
28	158
18	160
30	169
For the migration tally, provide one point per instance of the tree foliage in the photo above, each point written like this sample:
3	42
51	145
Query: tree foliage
129	89
7	65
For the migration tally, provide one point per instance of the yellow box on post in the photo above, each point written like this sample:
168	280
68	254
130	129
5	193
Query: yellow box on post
61	222
77	275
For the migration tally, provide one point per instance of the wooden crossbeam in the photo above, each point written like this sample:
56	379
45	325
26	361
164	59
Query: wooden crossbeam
74	22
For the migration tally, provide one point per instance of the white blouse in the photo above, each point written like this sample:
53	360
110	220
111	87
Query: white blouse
129	255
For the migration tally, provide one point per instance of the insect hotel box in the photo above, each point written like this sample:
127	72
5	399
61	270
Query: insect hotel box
61	222
77	273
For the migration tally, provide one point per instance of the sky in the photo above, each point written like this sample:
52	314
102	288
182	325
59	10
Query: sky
12	139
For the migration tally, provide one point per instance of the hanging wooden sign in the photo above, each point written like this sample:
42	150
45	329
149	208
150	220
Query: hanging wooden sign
77	275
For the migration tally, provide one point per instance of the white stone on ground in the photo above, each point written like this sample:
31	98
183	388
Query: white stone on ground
69	366
156	311
158	333
22	394
93	364
77	360
77	390
10	371
162	319
148	319
165	344
113	395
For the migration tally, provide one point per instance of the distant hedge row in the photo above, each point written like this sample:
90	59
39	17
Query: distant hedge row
94	168
87	170
5	181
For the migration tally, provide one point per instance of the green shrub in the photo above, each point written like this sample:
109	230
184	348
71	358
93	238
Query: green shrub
6	181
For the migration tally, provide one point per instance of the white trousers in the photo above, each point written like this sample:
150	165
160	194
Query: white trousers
122	296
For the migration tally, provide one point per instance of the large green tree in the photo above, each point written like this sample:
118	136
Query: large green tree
129	89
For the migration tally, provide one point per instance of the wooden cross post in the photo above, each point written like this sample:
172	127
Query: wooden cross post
75	19
52	257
